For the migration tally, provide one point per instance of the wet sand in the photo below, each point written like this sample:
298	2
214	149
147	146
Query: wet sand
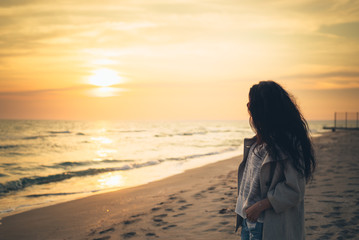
199	204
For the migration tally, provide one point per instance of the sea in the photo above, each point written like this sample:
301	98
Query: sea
44	162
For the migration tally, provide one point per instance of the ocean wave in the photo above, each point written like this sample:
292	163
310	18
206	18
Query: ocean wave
38	137
220	131
204	132
181	134
84	163
199	155
59	132
32	137
7	164
52	134
25	182
11	154
125	131
55	194
8	146
145	164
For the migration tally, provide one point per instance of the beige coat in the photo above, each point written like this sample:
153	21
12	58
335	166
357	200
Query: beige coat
285	191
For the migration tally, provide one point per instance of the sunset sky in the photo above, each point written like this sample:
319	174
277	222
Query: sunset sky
157	59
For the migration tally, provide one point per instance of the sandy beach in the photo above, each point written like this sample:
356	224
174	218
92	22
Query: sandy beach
199	204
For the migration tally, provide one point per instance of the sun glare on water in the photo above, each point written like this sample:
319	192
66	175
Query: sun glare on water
111	180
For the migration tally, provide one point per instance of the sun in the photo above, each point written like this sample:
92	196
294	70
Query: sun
104	77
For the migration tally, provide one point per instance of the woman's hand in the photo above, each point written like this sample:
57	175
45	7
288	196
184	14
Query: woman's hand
256	209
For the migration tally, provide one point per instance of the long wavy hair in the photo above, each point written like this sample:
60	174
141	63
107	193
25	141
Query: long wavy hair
278	123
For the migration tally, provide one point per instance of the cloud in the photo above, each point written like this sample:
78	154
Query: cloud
41	91
250	33
324	80
338	74
12	3
348	29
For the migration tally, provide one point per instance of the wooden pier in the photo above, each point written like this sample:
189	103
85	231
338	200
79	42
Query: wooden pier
347	122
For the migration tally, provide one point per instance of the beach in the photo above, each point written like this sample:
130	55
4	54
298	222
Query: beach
199	203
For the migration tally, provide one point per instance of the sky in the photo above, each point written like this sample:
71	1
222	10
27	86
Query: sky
174	60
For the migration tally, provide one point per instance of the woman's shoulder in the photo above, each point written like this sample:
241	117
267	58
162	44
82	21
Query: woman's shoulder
261	150
278	154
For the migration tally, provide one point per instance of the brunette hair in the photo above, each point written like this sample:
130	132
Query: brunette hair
279	124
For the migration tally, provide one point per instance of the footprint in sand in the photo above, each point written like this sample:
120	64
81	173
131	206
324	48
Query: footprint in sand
326	235
158	219
315	213
313	227
151	235
155	209
102	238
224	223
138	215
211	230
129	234
226	230
327	192
198	196
218	199
185	206
107	230
127	222
340	223
172	197
228	193
326	225
223	211
180	214
169	226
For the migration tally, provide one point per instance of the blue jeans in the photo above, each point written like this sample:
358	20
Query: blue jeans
251	231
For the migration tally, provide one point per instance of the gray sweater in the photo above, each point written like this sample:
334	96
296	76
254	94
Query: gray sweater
285	190
249	190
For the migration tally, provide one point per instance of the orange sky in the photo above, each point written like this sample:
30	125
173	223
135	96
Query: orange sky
145	60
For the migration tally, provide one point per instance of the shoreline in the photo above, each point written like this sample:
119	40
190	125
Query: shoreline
157	191
199	203
145	172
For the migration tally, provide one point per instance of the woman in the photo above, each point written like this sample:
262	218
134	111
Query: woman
276	164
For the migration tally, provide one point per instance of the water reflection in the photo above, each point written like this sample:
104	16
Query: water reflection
105	153
103	140
111	180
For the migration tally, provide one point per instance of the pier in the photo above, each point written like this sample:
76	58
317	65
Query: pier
345	121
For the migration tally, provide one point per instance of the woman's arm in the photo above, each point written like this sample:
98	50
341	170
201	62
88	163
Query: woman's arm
288	193
284	195
256	209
